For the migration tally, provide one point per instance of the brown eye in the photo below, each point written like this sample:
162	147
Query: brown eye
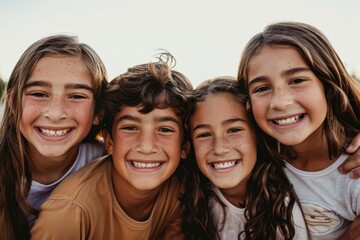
203	135
38	94
261	89
234	130
166	130
297	81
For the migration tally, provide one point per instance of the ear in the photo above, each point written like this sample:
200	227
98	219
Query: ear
185	149
96	120
98	116
108	142
248	106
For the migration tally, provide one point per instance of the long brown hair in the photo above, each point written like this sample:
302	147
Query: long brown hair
342	91
15	175
269	200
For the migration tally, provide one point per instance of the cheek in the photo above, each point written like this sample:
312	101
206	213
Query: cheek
201	149
245	144
259	111
84	108
30	107
84	111
240	143
121	145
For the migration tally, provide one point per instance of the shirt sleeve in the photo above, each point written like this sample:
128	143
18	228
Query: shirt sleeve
59	219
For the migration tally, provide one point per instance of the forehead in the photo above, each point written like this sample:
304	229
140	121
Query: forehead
219	106
276	57
59	68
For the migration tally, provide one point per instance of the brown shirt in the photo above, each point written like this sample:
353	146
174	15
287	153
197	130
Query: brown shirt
84	206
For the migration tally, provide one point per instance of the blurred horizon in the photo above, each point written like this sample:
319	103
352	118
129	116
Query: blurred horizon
205	37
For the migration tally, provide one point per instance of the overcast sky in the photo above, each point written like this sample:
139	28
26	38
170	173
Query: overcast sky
205	36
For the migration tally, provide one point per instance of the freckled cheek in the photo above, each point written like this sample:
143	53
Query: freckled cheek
121	146
254	105
201	149
238	142
82	110
31	107
243	142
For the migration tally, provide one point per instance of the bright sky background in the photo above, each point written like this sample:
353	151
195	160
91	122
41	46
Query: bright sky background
205	36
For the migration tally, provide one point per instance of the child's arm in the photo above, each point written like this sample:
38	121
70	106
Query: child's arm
59	219
353	232
352	165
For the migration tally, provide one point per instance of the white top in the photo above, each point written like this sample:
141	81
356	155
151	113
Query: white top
235	219
329	200
40	192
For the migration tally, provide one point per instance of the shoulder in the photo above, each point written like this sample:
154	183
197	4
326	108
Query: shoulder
85	179
91	151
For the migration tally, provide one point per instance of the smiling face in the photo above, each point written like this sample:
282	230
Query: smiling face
146	148
224	141
288	100
58	108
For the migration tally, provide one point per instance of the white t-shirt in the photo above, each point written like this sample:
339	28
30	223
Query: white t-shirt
235	219
40	192
330	200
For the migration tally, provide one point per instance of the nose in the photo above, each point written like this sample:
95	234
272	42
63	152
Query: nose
221	146
281	98
146	142
56	108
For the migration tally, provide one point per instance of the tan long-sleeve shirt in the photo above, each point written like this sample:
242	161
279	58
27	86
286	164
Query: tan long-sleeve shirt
84	207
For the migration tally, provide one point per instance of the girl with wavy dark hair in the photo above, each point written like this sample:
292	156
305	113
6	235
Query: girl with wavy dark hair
234	190
307	106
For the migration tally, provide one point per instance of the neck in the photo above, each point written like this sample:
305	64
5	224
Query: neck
47	170
137	204
236	195
311	155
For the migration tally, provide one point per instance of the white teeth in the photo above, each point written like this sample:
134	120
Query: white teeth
145	165
286	121
223	165
54	133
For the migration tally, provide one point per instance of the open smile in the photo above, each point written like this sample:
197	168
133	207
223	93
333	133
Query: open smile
54	133
288	121
143	165
224	165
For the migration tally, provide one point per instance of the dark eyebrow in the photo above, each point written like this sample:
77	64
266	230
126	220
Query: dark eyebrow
40	83
37	83
128	117
159	119
284	73
295	70
232	120
79	86
200	126
227	121
168	119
